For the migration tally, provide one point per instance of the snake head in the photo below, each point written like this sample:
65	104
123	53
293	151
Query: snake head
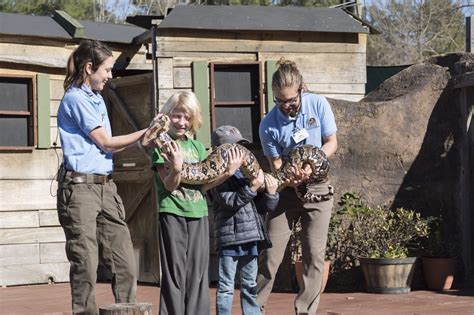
157	132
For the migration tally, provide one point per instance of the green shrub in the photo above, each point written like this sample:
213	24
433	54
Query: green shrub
359	230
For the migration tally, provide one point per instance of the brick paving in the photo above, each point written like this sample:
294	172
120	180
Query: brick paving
55	299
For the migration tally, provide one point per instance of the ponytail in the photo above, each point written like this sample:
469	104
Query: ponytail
91	51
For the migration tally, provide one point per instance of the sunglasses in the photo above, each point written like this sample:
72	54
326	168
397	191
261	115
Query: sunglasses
289	102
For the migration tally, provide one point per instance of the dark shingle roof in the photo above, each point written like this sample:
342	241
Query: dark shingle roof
261	18
46	26
29	25
117	33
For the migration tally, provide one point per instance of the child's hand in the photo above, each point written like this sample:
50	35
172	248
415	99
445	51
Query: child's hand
271	184
257	182
174	157
234	161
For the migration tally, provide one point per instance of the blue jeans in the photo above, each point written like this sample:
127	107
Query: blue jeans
248	268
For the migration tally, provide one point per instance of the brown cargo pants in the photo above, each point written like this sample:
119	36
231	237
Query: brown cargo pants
92	216
315	223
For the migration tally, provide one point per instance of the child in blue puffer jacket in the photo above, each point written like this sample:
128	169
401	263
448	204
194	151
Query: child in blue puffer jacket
239	228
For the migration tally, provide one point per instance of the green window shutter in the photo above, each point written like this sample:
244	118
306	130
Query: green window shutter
201	89
270	68
42	92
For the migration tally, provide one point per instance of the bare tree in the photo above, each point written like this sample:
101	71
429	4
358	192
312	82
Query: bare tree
154	7
414	29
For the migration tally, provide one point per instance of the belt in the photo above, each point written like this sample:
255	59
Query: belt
80	178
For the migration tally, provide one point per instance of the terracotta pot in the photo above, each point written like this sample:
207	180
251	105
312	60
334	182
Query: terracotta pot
438	272
388	275
299	273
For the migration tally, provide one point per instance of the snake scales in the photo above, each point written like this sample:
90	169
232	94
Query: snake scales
216	163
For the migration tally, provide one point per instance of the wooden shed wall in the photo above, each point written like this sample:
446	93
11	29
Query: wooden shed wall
32	242
332	65
31	238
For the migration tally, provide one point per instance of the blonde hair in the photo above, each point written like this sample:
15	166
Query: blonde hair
287	75
189	102
91	51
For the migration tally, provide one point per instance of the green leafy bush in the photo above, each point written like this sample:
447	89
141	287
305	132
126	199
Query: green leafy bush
437	244
383	233
359	230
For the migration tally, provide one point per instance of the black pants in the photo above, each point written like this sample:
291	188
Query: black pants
184	257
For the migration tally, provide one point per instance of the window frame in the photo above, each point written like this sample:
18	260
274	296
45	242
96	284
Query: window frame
32	114
213	102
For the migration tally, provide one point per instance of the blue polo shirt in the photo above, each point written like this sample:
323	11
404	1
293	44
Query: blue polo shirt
276	129
81	111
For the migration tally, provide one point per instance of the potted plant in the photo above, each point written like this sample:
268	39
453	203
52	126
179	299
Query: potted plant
296	256
438	260
382	240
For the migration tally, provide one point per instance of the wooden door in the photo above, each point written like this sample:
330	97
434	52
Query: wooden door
130	108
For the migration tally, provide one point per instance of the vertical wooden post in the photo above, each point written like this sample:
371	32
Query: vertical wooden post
270	68
126	309
43	106
200	73
469	33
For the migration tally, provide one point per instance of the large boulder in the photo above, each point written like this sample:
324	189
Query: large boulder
405	144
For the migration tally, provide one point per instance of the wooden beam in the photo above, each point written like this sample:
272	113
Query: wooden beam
39	164
43	111
200	72
32	235
34	273
125	308
124	113
138	199
19	219
19	254
70	24
463	80
27	195
270	68
52	253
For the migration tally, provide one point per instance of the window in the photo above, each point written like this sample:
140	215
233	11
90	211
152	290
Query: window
17	112
237	96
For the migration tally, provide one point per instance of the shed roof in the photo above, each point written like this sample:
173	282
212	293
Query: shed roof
108	32
261	18
29	25
48	27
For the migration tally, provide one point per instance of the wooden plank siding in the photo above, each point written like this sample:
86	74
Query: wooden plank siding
37	165
34	273
18	195
56	94
19	254
31	235
56	55
331	65
31	239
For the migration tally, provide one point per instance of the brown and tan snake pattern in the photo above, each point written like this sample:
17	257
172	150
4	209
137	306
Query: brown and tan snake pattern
216	163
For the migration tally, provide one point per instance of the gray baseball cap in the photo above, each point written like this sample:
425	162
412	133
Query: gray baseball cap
226	134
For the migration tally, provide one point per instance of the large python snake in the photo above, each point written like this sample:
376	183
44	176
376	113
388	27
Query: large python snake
216	163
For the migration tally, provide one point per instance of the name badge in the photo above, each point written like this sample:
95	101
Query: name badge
300	135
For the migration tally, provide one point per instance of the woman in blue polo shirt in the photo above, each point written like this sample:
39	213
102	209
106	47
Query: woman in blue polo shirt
89	209
298	118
